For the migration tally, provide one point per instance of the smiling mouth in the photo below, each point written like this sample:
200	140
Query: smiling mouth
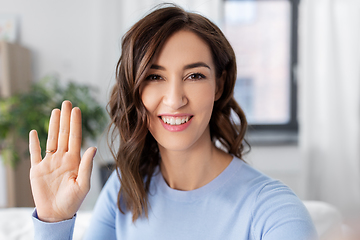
175	121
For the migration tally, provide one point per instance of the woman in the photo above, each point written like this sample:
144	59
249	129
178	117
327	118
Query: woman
171	103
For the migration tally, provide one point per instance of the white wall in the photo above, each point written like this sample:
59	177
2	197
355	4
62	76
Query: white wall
67	37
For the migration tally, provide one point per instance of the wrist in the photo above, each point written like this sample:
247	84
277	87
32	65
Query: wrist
50	218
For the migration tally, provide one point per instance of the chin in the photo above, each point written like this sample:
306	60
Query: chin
176	147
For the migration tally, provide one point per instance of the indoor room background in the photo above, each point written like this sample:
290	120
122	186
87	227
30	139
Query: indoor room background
317	155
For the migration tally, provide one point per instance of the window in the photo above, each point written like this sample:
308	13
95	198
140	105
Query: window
263	34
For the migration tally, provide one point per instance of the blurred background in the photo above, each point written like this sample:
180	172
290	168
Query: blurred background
298	81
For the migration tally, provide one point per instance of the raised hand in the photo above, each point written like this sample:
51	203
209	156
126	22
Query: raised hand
61	180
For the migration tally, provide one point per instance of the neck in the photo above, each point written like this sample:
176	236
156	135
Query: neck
193	168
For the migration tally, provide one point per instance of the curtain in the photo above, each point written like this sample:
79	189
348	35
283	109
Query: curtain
329	100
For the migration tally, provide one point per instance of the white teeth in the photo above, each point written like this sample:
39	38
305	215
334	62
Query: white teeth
175	121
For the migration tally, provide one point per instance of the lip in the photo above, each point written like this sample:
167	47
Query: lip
175	128
175	115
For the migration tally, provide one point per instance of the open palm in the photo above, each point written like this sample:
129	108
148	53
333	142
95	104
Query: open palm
61	180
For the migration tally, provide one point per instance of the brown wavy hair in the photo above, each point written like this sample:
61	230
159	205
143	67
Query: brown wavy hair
137	154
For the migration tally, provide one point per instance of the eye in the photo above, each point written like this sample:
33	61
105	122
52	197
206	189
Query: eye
196	76
154	77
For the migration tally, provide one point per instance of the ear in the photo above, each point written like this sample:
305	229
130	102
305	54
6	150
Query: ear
220	86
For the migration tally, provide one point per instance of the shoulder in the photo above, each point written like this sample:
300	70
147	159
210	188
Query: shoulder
112	185
263	189
107	199
275	210
103	220
244	185
247	178
113	181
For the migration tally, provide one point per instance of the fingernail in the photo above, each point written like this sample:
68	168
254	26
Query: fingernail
95	152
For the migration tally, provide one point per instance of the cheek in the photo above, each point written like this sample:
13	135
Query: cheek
202	96
150	97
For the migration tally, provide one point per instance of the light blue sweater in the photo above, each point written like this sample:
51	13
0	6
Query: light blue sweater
241	203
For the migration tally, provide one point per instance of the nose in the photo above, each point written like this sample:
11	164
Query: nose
175	96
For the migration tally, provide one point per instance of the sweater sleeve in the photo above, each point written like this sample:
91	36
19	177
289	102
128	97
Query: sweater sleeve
53	231
278	214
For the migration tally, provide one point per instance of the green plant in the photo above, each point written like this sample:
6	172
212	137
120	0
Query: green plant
31	110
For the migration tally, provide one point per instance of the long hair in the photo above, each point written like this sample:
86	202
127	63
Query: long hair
137	155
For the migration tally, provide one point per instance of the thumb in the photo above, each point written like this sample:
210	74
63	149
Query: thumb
85	169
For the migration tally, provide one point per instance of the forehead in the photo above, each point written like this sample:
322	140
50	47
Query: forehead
184	47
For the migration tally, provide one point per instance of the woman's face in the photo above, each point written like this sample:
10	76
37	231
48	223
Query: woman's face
179	92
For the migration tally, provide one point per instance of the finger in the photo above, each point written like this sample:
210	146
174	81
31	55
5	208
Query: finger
64	130
51	143
85	168
75	131
34	148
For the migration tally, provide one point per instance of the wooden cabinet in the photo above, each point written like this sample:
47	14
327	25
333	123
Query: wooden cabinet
15	77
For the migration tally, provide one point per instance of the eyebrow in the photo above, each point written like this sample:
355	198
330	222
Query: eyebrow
189	66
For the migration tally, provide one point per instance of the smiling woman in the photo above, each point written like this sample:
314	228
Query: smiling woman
179	105
174	64
172	101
